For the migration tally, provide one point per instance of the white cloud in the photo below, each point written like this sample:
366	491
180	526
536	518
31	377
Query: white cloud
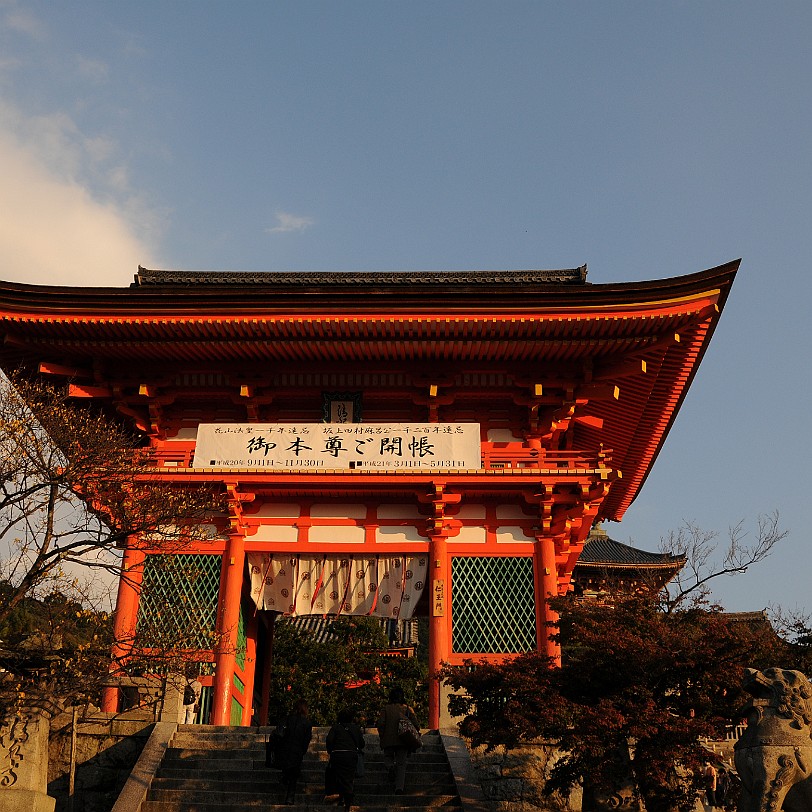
8	64
22	21
69	214
286	222
93	70
53	231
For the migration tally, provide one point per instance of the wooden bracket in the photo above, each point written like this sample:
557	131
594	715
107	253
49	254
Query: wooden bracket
235	500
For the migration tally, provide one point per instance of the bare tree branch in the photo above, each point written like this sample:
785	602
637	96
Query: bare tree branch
74	488
701	550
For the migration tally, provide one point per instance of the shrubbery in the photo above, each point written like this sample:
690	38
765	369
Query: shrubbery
320	672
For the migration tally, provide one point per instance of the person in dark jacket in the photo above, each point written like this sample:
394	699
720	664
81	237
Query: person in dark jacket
722	787
394	749
298	732
345	744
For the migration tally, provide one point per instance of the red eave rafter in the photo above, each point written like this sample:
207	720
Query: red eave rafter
214	325
652	424
314	338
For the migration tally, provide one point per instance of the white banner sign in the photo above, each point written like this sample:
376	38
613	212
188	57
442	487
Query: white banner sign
351	446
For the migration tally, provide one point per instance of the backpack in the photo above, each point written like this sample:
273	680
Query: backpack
189	697
275	745
408	734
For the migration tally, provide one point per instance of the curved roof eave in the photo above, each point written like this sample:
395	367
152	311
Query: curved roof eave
507	291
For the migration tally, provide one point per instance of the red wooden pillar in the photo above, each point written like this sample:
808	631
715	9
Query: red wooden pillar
267	666
546	587
439	581
439	625
250	667
129	589
228	616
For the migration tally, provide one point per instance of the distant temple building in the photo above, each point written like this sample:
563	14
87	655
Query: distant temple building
396	444
607	568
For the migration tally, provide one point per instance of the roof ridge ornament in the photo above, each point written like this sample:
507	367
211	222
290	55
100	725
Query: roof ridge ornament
565	276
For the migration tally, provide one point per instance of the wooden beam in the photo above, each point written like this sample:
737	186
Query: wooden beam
139	420
76	390
589	420
660	344
624	369
599	391
49	368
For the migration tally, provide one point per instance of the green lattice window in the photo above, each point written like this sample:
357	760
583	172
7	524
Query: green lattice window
236	713
178	604
241	641
493	605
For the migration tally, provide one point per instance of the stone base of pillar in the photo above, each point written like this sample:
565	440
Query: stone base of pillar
446	719
26	800
173	709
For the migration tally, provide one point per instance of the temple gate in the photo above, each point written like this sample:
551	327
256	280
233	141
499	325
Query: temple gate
390	444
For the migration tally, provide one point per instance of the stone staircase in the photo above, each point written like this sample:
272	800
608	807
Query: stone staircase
222	769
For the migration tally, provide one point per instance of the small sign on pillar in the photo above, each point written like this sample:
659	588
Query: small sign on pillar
438	597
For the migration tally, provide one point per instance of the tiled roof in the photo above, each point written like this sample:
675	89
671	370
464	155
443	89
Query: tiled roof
601	551
757	617
399	632
566	276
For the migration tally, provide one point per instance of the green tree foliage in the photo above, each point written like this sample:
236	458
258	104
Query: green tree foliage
53	644
637	691
320	672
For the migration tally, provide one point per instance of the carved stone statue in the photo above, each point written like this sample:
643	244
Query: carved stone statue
774	756
24	759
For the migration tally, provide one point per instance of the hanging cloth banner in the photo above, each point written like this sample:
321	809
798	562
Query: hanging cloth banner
383	586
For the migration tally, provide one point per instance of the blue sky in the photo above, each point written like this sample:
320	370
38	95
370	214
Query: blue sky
646	139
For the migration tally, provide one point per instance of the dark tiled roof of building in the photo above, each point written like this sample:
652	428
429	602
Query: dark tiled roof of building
757	617
566	276
601	551
399	632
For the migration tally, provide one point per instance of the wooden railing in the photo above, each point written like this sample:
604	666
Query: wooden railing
496	455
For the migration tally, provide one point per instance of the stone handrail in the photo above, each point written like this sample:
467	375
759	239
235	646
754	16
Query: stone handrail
138	784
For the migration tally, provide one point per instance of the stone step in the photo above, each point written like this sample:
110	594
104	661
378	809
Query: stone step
221	769
221	761
226	794
260	771
191	741
375	784
214	731
309	784
392	803
211	759
395	805
258	754
264	730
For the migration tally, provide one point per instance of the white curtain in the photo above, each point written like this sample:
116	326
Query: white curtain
383	586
